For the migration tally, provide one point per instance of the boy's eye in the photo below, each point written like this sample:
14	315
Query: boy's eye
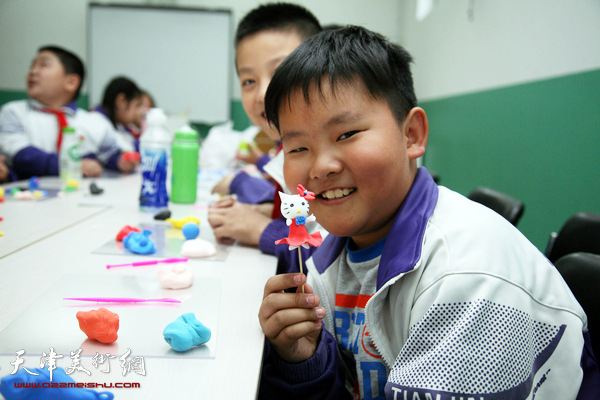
347	135
298	150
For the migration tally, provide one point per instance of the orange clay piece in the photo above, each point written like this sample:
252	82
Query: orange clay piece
101	324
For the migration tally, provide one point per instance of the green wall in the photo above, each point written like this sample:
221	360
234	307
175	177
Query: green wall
11	95
538	142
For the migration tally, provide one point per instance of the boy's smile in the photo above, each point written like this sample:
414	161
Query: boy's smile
258	56
349	149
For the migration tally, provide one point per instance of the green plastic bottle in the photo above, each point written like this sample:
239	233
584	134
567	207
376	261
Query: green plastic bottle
184	166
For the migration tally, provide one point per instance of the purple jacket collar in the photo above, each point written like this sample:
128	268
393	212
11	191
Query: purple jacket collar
69	109
101	110
403	246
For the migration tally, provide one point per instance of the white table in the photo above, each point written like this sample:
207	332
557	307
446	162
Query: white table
39	267
28	221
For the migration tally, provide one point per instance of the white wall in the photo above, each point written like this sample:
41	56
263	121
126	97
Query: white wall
26	25
504	43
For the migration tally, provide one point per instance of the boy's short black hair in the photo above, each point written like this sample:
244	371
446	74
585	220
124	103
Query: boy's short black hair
71	63
115	87
345	56
278	16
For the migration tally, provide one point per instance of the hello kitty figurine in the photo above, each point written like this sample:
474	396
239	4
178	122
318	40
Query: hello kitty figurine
294	207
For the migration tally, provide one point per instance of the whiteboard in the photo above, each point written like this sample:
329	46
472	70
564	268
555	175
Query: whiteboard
181	56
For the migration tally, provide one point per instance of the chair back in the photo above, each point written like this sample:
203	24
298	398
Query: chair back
581	271
505	205
581	233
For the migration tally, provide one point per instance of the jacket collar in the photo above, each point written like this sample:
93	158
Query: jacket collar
402	249
101	110
405	240
69	109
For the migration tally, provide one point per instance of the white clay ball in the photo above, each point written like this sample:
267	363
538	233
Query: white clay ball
198	248
175	276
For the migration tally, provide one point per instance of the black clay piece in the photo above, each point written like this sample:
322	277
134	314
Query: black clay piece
94	189
164	214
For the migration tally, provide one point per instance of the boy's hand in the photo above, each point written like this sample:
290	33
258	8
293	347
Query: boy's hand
91	168
126	163
223	187
3	170
223	202
291	321
250	156
231	219
264	208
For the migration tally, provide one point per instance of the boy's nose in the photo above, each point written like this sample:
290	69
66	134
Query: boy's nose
324	166
262	92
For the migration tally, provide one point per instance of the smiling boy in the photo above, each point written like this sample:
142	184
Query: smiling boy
418	292
264	37
31	130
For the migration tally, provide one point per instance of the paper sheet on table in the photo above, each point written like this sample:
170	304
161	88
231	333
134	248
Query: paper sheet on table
167	241
52	322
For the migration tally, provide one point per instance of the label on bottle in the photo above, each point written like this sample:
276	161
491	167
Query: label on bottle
153	194
69	162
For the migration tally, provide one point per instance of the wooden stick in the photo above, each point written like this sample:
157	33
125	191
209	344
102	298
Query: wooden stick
300	259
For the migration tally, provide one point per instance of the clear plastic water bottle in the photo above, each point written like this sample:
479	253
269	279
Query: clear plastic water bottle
154	150
69	159
184	166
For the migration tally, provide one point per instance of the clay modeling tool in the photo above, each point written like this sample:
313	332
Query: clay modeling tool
150	262
122	300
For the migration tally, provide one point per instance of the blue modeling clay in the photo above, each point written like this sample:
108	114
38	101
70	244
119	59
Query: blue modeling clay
23	386
186	332
139	242
34	182
190	230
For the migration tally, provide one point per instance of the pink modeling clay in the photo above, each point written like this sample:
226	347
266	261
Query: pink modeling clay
126	230
295	210
101	324
175	276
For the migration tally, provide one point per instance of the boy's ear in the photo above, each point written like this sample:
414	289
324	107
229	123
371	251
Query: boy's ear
72	82
416	129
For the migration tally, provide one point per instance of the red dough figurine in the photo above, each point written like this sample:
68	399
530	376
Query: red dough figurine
294	207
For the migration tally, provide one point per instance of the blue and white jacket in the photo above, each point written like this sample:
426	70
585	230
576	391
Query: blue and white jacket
28	137
465	308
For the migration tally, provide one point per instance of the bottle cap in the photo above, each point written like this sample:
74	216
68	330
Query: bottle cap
186	133
156	116
68	129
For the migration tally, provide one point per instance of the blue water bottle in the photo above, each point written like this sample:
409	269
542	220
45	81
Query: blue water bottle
154	150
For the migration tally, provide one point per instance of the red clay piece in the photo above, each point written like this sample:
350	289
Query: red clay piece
101	324
131	156
126	230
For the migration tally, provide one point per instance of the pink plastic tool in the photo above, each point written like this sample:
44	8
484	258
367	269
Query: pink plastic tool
151	262
122	300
